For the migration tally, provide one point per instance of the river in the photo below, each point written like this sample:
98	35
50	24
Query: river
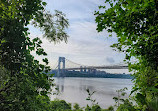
73	90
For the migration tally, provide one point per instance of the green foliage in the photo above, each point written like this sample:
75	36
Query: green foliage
24	84
135	23
126	106
96	107
153	104
120	94
77	107
89	98
93	108
60	105
123	104
110	109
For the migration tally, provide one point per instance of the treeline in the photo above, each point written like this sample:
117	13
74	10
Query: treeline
107	75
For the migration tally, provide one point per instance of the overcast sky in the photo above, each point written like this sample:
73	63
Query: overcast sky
85	45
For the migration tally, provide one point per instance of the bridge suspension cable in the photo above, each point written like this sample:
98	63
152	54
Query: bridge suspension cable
72	65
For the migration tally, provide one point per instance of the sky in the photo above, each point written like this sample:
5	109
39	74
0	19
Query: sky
85	45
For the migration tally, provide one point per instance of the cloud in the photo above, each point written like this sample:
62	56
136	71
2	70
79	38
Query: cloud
110	60
85	45
75	10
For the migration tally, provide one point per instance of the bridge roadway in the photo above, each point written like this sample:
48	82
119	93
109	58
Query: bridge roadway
99	67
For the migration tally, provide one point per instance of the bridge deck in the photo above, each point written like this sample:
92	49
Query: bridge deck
100	67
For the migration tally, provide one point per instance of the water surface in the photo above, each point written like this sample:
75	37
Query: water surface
73	90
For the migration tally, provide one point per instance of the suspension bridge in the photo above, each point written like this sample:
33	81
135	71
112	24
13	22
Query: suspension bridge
64	65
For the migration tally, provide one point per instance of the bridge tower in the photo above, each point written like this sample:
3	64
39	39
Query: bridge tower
61	71
81	69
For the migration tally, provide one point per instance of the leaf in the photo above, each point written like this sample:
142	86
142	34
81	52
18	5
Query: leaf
45	60
134	90
44	3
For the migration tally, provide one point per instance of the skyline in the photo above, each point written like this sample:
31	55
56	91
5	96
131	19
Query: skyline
85	45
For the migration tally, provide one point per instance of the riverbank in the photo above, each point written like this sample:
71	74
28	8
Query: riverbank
105	75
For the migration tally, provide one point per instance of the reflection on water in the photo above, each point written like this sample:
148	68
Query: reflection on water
73	90
60	84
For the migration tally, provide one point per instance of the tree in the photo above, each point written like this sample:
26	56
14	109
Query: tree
24	84
135	22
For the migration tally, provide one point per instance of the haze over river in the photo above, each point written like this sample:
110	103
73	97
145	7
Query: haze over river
73	90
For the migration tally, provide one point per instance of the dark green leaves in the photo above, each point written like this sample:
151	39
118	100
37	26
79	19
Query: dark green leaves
53	26
44	3
135	23
25	79
45	60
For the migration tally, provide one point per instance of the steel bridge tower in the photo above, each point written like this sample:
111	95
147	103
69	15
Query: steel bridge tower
61	71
